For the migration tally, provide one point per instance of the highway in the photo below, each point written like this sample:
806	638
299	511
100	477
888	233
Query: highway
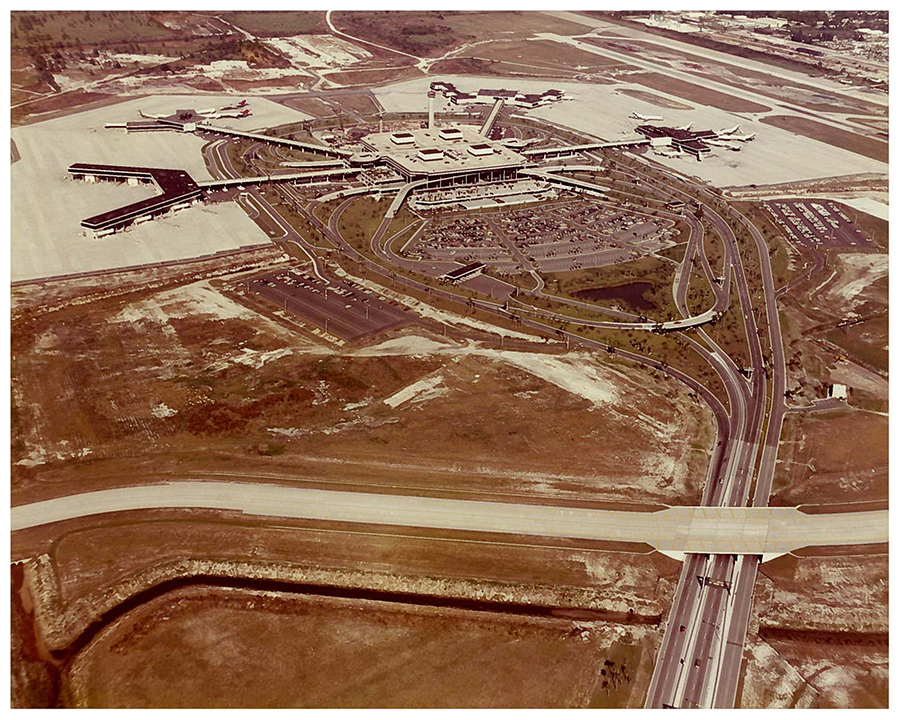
700	656
674	530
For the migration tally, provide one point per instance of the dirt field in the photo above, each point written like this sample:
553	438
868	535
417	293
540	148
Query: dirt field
818	634
360	103
372	77
814	469
217	648
187	372
858	144
696	93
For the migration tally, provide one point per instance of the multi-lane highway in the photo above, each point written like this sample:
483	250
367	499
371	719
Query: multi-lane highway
700	656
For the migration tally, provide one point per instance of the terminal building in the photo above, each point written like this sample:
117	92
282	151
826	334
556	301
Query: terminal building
461	274
456	155
178	191
689	141
487	96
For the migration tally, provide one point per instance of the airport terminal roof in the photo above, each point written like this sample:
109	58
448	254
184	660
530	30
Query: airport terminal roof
456	156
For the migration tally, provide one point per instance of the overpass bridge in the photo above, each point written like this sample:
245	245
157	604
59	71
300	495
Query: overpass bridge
573	149
766	531
272	140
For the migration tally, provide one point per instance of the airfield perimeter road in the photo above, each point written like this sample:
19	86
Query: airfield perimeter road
719	530
699	661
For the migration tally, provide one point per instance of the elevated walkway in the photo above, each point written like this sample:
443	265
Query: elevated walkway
573	149
337	172
272	140
492	117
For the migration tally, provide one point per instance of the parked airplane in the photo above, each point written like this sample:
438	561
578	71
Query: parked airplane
645	118
686	127
222	111
743	138
730	131
151	116
518	143
216	114
722	143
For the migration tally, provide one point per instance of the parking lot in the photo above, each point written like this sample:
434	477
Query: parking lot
341	309
562	236
816	223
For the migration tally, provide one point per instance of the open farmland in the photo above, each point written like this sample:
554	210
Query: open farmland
853	142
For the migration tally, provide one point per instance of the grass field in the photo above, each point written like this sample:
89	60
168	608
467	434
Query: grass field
546	53
431	34
86	28
836	137
762	83
657	100
696	93
270	23
652	270
815	469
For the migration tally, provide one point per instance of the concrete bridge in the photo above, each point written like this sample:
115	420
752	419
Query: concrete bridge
675	531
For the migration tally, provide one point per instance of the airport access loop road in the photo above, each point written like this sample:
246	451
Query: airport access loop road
700	666
718	626
717	530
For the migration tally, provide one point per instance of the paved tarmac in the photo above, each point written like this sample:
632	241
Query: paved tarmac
675	530
347	312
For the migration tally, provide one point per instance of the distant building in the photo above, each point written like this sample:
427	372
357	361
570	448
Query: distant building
689	141
431	154
403	138
837	391
481	149
466	272
486	96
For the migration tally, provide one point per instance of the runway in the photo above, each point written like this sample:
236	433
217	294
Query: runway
759	531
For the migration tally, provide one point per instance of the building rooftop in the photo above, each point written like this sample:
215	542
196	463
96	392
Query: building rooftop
456	158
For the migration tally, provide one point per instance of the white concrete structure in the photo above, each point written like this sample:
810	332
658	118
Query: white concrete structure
677	530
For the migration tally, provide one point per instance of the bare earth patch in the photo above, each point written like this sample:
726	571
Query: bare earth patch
209	647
